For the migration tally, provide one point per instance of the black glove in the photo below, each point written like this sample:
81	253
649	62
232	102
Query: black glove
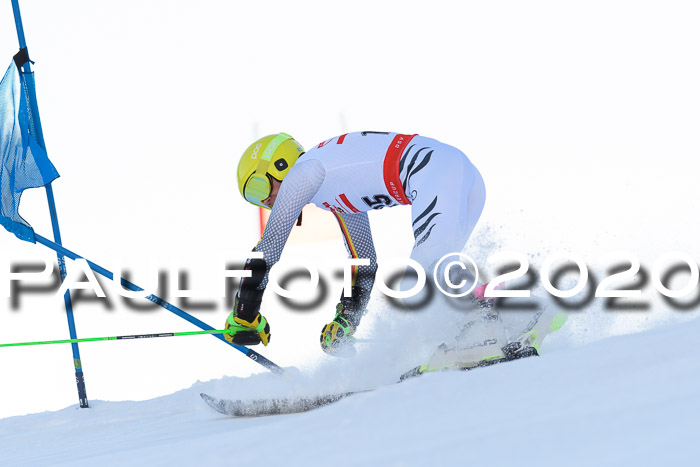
245	324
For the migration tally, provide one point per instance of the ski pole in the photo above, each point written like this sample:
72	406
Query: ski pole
248	352
116	338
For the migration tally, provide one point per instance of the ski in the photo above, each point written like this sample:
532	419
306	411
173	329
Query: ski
512	351
273	406
290	405
530	329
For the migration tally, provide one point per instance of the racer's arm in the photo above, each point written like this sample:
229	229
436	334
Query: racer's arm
297	189
336	336
357	235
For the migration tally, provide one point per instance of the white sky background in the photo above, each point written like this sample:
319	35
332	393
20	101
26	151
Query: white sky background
582	117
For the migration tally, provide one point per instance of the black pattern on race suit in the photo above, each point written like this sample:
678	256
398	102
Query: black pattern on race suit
297	190
415	164
413	161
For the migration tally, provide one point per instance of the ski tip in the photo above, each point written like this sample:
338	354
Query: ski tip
207	398
217	404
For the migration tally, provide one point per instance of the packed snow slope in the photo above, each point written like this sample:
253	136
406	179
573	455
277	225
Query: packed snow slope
625	400
581	116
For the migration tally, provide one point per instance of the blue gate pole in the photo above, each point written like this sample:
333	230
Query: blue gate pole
35	128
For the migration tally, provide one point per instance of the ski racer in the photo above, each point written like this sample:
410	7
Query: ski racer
349	175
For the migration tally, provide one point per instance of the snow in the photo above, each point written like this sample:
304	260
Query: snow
582	117
626	400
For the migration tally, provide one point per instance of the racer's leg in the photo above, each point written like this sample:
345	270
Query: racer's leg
448	196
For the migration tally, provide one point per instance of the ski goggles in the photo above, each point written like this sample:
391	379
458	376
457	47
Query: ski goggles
257	189
259	186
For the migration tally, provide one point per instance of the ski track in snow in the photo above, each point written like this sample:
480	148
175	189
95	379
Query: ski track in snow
624	400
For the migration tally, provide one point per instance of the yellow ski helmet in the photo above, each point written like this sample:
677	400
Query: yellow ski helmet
270	156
